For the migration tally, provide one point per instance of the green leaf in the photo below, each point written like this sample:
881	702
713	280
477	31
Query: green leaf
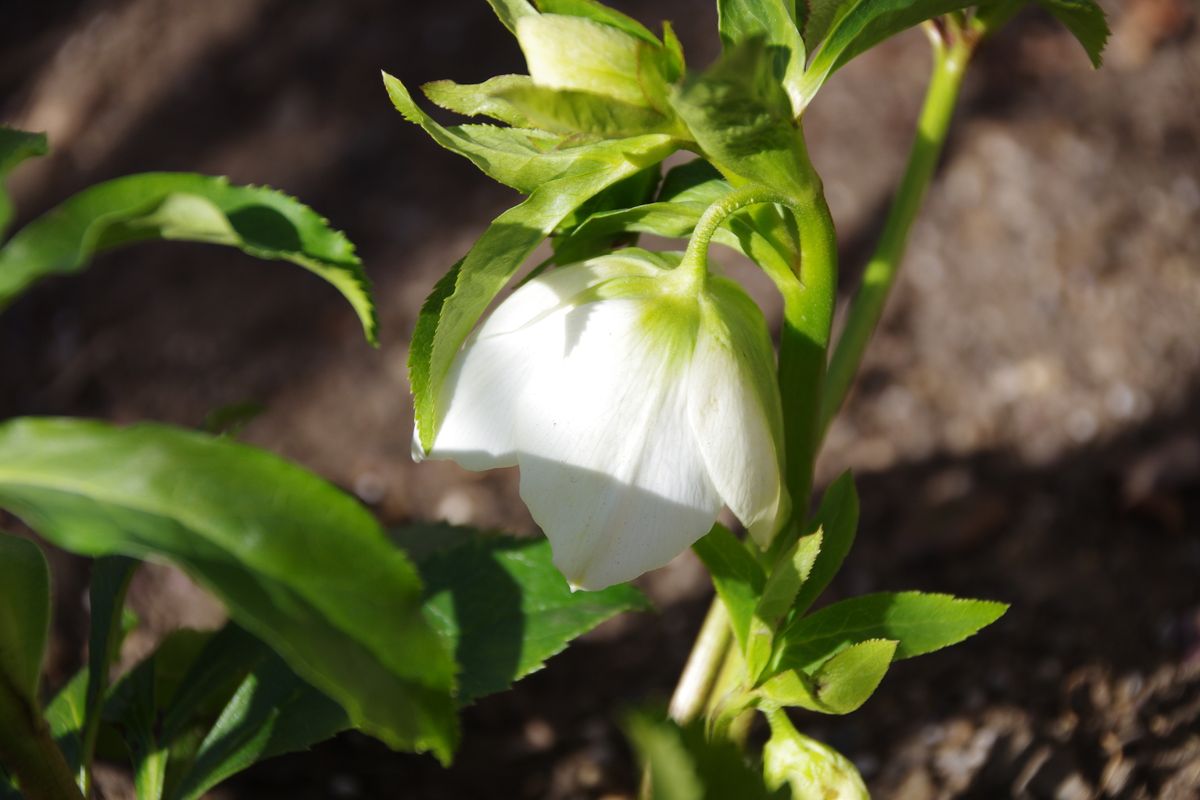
597	12
459	299
815	771
184	206
837	519
15	147
24	620
577	53
685	764
921	623
296	562
738	578
509	11
1085	19
479	99
741	116
110	581
776	600
504	608
774	21
844	682
571	112
272	712
840	31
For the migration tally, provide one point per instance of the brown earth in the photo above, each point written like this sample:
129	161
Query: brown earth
1027	426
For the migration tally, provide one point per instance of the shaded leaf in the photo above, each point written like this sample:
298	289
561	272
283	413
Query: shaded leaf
24	619
1085	19
774	21
737	576
15	147
837	519
777	599
297	562
106	594
504	608
921	623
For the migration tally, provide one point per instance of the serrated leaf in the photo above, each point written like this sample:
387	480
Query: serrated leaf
188	207
504	609
460	297
1086	20
815	771
741	116
509	11
738	578
837	519
921	623
272	712
480	99
844	682
775	22
840	31
597	12
574	112
683	763
297	562
777	598
15	147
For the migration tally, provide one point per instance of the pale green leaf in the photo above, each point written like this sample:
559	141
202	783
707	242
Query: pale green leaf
575	112
844	682
509	11
189	207
479	99
921	623
297	562
597	12
777	599
775	22
815	771
504	608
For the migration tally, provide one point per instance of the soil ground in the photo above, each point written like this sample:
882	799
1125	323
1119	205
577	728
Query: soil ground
1027	427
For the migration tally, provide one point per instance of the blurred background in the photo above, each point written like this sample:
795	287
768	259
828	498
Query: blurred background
1027	426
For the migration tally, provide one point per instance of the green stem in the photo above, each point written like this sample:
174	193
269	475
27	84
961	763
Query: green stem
949	64
695	259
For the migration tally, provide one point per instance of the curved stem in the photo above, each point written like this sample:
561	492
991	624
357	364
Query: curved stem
695	259
949	63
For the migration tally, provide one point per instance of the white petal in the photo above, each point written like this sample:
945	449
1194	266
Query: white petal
496	365
732	422
609	466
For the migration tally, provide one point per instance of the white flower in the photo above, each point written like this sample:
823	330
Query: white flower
635	399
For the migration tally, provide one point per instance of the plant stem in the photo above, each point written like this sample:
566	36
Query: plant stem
695	685
949	64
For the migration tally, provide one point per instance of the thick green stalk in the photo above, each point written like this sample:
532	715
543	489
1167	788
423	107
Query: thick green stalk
949	64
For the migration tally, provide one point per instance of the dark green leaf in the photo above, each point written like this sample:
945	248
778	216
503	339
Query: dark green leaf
272	712
15	147
837	519
1086	20
298	563
110	580
921	623
504	608
184	206
685	764
24	618
773	21
479	99
738	578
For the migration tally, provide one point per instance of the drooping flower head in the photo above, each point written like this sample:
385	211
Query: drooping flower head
636	399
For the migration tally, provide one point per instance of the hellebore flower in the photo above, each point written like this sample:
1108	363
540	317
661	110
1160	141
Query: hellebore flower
636	400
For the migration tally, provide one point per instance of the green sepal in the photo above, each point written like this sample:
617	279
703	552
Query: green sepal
813	770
